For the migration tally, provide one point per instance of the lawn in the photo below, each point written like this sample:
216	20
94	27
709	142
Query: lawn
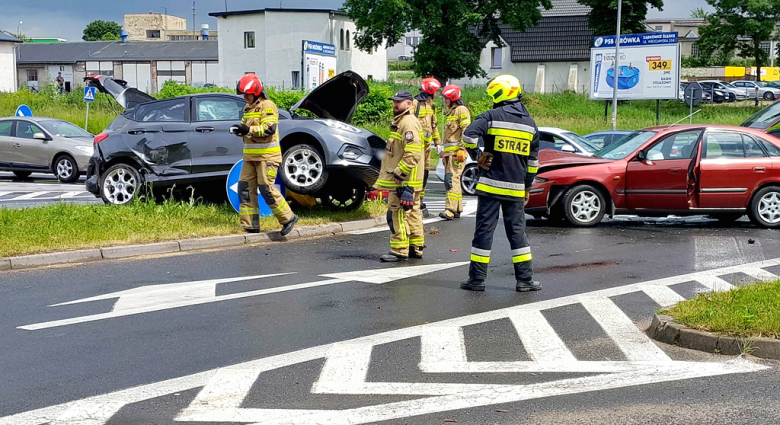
748	311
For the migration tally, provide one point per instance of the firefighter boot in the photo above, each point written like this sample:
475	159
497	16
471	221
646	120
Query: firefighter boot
287	227
392	258
473	285
531	285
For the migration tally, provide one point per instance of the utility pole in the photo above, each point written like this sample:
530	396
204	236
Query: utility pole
617	68
193	16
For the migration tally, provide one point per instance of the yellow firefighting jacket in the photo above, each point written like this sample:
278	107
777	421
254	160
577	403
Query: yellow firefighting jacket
458	118
425	111
262	142
404	154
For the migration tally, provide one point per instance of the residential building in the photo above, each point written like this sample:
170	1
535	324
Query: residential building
146	65
405	47
270	43
8	62
161	27
687	32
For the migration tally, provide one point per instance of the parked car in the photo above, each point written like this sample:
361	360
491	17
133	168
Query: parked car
185	140
706	97
765	92
721	171
44	145
732	93
600	139
550	138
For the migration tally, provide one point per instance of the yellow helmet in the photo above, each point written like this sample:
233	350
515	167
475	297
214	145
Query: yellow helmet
503	88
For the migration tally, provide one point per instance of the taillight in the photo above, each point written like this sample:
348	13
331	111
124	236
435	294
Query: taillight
99	138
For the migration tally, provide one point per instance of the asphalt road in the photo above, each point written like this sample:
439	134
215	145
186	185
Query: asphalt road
40	189
319	331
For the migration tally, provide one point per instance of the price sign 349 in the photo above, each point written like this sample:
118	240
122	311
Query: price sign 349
659	65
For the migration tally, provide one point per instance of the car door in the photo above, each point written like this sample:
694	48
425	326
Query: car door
732	165
6	144
660	182
213	148
29	152
159	133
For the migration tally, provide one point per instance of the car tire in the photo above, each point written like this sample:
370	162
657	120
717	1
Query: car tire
65	169
584	205
468	180
22	174
765	208
303	169
120	185
769	96
732	97
727	218
343	196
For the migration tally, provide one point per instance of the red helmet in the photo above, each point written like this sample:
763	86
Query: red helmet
249	84
430	85
451	92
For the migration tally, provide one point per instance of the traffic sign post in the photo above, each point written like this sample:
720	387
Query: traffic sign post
232	190
89	97
23	111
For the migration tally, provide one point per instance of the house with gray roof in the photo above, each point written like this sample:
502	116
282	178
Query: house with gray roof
146	65
8	62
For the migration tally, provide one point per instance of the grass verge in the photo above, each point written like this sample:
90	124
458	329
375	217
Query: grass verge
66	226
748	311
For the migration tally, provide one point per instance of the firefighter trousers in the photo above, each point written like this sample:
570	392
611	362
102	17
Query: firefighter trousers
406	226
426	162
514	224
453	170
260	175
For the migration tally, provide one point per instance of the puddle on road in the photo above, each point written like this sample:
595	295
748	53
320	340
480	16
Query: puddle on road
570	267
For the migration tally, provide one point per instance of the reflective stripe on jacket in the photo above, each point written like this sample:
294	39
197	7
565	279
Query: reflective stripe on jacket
262	142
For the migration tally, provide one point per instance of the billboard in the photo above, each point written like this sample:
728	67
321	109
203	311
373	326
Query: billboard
319	63
649	67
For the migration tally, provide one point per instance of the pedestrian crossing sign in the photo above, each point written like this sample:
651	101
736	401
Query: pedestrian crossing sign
89	94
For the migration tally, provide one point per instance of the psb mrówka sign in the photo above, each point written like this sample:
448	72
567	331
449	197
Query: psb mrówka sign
319	48
629	40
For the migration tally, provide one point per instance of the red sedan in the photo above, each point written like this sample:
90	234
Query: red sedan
721	171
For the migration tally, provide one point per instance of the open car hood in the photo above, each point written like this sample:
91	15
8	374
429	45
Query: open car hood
765	118
127	97
550	159
336	99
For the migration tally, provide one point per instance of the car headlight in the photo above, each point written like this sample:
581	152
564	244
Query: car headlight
339	126
89	150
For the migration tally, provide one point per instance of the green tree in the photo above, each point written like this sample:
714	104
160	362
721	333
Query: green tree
19	36
603	17
110	37
741	26
698	13
454	32
97	30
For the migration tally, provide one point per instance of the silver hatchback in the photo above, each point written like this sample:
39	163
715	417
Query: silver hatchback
44	145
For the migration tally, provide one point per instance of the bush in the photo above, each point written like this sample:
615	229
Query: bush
285	99
375	106
173	89
400	65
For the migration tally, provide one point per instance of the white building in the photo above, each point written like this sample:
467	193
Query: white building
7	62
269	42
406	46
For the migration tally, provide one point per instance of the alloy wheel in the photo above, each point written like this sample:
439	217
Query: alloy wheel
585	206
120	186
769	208
304	167
64	169
469	180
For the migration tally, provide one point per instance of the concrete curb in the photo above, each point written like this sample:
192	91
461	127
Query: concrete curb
666	330
184	245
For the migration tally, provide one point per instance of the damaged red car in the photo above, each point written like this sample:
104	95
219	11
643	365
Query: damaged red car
721	171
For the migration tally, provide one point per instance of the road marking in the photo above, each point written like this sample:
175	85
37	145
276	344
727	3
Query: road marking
469	208
442	344
664	296
540	340
39	196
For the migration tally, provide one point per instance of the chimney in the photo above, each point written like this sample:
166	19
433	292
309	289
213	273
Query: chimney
204	32
123	34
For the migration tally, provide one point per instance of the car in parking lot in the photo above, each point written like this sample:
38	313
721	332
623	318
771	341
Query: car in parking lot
186	141
600	139
44	145
721	171
765	92
732	93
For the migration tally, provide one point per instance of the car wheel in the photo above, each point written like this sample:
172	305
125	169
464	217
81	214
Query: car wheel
303	169
120	184
584	205
66	169
769	96
343	197
468	180
732	97
765	207
22	174
727	218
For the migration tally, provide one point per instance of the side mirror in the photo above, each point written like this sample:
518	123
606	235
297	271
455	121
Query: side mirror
40	136
641	155
568	148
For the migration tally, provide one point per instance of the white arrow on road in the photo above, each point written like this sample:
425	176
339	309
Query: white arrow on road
150	298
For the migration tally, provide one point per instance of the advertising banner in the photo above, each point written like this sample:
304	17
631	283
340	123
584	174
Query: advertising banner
319	63
649	67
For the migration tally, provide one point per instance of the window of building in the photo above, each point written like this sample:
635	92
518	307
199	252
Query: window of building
183	37
170	70
659	28
341	45
249	40
347	39
495	57
695	50
100	68
408	41
766	46
152	33
296	79
32	75
415	41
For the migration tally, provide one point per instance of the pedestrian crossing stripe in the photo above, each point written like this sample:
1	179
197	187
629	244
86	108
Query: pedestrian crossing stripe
42	196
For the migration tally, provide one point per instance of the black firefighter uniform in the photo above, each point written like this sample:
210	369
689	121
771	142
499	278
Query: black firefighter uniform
458	119
404	158
425	111
511	136
262	158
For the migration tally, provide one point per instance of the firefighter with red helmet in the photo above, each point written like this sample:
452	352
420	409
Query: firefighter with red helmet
262	157
452	152
425	111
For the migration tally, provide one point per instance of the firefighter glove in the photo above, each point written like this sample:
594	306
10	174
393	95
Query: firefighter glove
525	200
239	129
485	160
462	155
406	195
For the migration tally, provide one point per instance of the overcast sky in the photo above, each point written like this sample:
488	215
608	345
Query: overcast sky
67	18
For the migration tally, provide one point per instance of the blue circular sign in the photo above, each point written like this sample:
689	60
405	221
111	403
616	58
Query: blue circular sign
24	111
232	189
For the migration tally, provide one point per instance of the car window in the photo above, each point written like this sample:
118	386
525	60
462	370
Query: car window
771	148
752	149
5	128
26	130
676	146
546	141
169	111
216	109
599	140
64	129
625	146
584	143
723	145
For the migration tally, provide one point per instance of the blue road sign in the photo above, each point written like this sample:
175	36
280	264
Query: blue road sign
23	111
89	94
232	189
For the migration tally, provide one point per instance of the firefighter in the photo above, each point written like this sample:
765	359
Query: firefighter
402	173
262	158
425	111
506	169
452	152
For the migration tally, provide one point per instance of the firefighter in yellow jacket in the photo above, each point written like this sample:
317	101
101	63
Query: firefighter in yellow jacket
402	174
262	158
425	111
452	152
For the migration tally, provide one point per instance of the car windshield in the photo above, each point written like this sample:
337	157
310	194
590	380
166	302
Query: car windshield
625	146
584	143
729	85
764	118
64	129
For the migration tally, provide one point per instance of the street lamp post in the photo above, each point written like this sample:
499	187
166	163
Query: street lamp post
18	28
617	67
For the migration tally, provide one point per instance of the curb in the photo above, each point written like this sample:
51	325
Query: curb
184	245
666	330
